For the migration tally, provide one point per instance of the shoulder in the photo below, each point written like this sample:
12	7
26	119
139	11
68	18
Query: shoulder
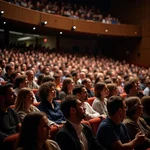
128	121
52	145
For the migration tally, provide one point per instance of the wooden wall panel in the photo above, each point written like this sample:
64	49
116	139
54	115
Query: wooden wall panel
29	16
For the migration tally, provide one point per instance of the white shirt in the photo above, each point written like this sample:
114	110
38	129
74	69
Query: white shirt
90	112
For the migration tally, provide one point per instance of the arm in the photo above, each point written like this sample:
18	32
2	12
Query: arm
97	107
90	112
118	145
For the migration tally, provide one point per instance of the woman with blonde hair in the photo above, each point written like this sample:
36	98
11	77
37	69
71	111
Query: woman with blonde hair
24	102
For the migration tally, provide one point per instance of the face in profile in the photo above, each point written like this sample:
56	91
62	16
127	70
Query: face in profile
29	100
10	97
80	110
43	132
105	92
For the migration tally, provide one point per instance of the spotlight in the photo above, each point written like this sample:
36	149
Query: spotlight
34	28
60	32
4	22
1	13
44	23
74	27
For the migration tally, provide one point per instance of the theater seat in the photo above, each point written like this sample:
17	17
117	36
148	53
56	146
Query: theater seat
10	142
53	131
90	100
34	90
86	123
2	82
95	124
123	95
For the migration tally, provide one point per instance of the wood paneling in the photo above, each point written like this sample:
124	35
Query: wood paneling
29	16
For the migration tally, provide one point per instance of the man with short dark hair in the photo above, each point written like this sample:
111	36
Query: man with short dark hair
81	93
112	133
9	120
74	135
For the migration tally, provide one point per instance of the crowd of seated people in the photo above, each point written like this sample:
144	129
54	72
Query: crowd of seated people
78	75
76	11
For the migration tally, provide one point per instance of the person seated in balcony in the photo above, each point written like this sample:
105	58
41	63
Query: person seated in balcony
48	105
23	3
35	133
9	120
81	93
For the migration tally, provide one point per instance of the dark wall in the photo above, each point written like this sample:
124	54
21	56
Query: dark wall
134	12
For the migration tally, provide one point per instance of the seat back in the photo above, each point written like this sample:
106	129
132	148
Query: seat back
95	122
9	142
90	100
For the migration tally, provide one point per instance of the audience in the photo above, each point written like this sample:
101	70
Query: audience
75	11
35	133
74	135
112	133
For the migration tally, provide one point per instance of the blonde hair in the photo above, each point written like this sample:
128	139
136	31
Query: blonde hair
19	105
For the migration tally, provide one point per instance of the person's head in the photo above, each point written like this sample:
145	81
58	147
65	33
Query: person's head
87	83
14	75
80	92
47	91
131	86
75	76
24	99
67	85
116	106
73	109
57	78
48	78
7	95
9	68
135	107
30	75
113	90
21	81
40	78
101	90
146	104
35	129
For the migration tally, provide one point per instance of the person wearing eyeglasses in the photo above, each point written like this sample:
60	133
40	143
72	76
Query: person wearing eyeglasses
112	133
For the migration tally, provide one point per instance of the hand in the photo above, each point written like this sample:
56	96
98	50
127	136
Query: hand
140	137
